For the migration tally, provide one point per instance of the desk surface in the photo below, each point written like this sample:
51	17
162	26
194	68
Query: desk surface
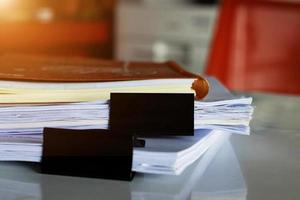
264	165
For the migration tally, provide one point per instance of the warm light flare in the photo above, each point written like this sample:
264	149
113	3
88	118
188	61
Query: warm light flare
6	3
14	10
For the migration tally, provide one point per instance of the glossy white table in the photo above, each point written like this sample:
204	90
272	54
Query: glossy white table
264	165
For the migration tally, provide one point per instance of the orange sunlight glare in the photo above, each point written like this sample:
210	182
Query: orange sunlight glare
6	3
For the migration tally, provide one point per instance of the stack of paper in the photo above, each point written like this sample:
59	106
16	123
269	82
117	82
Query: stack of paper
21	125
164	155
220	109
173	154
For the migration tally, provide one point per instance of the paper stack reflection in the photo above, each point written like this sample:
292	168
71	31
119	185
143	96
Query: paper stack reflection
216	175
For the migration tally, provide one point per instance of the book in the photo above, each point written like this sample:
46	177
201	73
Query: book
28	92
77	69
24	78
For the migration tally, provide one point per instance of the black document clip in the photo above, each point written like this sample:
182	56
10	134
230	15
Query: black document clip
87	153
152	114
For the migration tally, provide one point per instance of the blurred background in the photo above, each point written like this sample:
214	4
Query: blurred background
155	30
247	44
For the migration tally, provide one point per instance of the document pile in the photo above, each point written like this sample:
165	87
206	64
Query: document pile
86	106
217	175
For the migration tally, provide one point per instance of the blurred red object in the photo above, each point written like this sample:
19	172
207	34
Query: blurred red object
256	46
58	38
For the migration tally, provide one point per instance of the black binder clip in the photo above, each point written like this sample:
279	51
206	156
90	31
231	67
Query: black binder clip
152	114
87	153
109	153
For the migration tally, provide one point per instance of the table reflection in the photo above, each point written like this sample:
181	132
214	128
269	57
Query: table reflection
214	175
223	178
